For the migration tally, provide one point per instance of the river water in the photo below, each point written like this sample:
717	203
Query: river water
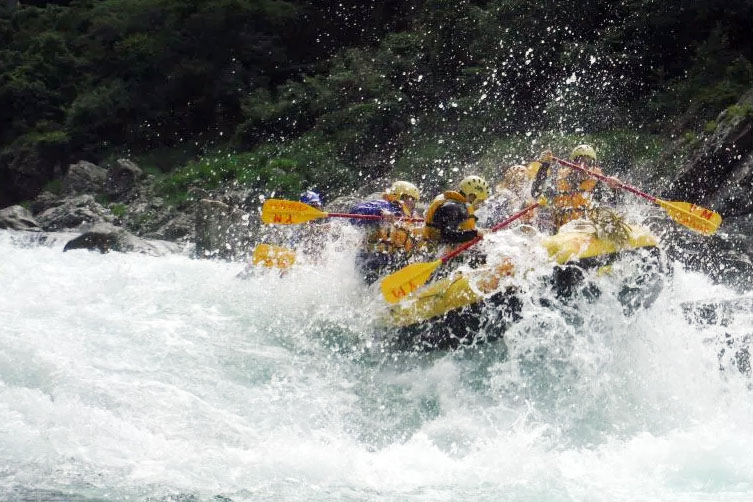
128	377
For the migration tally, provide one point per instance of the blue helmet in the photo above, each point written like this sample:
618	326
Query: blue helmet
312	198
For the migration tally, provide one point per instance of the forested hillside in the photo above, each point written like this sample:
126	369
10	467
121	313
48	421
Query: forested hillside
288	94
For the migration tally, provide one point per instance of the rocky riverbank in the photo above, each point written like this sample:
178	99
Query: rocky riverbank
718	174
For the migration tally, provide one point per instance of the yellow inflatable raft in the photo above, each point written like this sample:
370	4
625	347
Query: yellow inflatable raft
446	311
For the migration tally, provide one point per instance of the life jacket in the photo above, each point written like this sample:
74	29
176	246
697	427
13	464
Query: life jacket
572	195
394	237
431	231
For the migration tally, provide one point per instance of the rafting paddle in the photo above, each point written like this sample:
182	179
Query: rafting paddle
408	279
269	255
696	218
290	212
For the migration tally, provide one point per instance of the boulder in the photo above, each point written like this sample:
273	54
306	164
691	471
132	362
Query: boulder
84	178
121	179
719	174
44	201
73	212
178	227
18	218
222	231
24	172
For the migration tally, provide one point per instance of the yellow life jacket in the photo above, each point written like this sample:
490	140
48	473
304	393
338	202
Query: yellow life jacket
431	232
396	237
573	196
392	237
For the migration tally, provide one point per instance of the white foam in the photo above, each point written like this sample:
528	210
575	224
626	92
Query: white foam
141	377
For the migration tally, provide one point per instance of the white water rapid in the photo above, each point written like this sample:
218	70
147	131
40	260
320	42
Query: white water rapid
132	378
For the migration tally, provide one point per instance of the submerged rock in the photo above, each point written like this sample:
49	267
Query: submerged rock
105	238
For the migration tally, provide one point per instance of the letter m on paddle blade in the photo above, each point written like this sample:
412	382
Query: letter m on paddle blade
406	280
694	217
282	218
707	214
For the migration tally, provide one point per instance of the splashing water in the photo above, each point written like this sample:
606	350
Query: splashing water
125	377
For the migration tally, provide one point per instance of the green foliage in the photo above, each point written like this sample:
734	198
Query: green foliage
252	169
158	161
692	139
54	186
45	142
333	93
89	115
118	210
50	139
172	198
717	79
142	72
740	111
35	86
310	161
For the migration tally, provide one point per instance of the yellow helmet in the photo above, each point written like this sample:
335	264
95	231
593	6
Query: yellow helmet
400	188
583	151
475	185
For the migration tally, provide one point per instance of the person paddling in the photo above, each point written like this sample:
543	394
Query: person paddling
310	236
511	194
312	198
570	191
450	218
388	242
397	201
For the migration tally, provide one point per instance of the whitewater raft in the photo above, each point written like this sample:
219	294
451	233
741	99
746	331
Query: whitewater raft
466	308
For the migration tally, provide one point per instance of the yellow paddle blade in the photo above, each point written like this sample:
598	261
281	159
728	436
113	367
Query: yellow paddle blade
268	255
405	281
288	212
694	217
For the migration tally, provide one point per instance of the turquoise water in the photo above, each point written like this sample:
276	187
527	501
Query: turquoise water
126	377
